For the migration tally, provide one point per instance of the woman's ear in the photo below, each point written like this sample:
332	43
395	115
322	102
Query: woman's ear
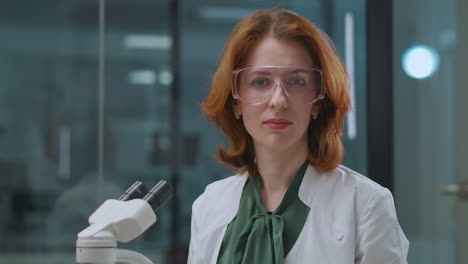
236	109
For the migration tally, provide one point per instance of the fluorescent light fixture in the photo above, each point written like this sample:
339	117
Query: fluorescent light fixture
134	41
420	61
142	77
225	13
349	60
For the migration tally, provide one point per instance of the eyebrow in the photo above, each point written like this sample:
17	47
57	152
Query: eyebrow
297	70
266	72
259	71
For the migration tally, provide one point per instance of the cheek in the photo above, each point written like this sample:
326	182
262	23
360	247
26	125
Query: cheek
250	121
251	118
304	120
305	114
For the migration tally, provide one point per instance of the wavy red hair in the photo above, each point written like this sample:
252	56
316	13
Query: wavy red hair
325	146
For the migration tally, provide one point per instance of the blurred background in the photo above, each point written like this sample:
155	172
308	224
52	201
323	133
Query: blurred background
95	95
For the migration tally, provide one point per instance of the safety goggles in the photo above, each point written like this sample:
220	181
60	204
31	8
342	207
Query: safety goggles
256	84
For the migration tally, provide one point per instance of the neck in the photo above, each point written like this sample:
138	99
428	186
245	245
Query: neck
278	168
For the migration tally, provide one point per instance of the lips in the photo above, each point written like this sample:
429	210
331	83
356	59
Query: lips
277	123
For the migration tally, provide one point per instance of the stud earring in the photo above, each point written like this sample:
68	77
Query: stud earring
237	115
314	115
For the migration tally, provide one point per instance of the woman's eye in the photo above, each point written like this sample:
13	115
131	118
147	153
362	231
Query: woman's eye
296	81
259	83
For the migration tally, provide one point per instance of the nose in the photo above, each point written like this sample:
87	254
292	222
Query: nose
279	97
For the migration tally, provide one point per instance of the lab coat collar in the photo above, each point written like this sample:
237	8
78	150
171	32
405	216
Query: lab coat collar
306	190
235	197
309	184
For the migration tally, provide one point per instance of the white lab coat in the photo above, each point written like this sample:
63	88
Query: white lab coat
351	220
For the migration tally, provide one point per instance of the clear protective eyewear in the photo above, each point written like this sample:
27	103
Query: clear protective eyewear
256	84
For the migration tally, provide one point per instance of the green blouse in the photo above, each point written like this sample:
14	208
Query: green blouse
258	236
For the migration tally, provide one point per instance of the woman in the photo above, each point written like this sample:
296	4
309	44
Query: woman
280	94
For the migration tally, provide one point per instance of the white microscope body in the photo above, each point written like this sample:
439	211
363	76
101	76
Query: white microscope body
121	220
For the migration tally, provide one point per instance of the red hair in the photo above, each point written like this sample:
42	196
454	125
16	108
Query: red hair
324	142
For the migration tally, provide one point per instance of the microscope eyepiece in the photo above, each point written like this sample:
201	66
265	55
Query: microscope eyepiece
158	195
137	191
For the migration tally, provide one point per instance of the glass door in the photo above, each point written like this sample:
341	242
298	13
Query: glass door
48	128
431	124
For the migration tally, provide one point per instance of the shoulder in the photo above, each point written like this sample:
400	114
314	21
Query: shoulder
231	183
356	181
341	183
359	209
220	199
379	236
371	203
366	192
222	188
345	193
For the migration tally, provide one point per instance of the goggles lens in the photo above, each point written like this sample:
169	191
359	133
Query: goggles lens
256	85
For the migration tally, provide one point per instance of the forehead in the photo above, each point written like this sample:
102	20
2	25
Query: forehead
271	51
273	70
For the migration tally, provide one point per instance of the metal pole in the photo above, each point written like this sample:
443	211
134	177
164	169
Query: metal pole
100	147
174	166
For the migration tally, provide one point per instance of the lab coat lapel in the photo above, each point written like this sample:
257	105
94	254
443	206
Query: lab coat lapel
230	206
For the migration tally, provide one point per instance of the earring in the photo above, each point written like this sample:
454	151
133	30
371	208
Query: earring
237	115
314	115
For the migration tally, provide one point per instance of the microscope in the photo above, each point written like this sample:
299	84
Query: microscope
121	220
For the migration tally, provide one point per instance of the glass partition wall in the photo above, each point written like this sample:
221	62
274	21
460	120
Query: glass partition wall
72	135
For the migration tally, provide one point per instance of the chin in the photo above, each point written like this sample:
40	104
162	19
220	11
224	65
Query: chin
277	142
